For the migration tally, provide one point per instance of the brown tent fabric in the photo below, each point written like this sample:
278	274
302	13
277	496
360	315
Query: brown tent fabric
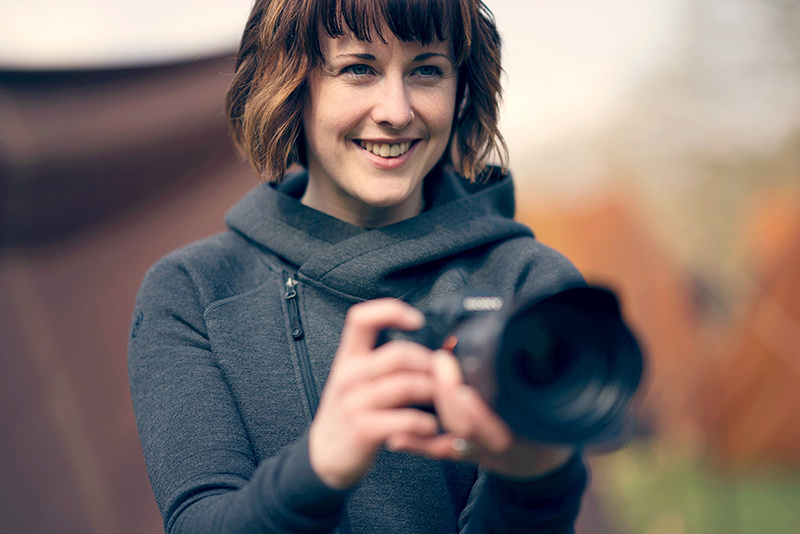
101	173
78	147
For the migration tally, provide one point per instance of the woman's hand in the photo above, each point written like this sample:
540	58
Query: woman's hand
474	433
367	393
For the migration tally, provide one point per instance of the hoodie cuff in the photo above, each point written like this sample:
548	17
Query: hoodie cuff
564	480
548	504
306	501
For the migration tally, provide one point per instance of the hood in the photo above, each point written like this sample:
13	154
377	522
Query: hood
386	261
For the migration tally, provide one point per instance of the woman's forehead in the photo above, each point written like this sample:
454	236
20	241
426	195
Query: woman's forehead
349	44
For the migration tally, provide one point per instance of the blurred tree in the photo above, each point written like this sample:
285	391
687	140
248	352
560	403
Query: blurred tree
714	129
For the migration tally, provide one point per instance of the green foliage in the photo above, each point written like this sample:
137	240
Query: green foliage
654	492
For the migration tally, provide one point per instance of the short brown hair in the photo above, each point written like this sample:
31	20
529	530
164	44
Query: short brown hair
280	47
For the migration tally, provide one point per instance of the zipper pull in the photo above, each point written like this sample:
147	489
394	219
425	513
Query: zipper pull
291	283
294	312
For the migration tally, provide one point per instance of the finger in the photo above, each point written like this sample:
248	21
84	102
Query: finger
378	426
396	356
392	391
433	446
393	357
483	426
365	320
440	447
463	411
448	370
449	390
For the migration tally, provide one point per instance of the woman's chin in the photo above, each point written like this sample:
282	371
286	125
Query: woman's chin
385	207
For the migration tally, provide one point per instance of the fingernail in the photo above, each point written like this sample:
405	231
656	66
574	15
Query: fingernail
462	446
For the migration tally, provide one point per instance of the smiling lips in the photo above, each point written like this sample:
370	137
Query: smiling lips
386	150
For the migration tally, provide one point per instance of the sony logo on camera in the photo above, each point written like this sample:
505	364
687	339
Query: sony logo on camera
480	304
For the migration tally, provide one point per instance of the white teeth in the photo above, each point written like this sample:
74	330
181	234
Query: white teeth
385	150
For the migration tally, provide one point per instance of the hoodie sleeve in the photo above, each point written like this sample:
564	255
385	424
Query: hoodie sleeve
546	505
204	474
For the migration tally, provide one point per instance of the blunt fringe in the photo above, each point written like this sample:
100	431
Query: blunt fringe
280	47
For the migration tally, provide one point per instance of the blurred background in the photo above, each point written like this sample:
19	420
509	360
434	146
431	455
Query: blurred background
655	142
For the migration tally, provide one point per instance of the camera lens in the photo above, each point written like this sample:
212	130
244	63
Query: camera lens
543	367
561	369
566	368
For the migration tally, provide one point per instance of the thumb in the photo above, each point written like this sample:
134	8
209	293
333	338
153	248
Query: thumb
446	368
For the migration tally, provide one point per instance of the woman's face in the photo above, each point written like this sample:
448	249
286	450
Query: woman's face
377	118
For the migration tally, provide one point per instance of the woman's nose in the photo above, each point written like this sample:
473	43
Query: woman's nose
392	105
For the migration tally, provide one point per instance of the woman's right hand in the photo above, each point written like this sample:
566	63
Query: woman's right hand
368	392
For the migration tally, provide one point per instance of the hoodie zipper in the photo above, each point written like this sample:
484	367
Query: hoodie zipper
310	387
298	335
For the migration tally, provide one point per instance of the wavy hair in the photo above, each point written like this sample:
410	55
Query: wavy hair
280	47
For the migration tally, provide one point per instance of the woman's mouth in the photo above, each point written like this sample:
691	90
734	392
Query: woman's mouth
386	150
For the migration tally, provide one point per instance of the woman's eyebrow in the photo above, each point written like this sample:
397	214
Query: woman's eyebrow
365	57
428	55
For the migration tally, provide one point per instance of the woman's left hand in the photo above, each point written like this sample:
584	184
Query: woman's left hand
474	433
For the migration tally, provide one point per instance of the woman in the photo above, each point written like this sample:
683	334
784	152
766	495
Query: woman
261	400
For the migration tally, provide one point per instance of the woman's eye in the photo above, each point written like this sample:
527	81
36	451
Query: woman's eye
358	70
429	70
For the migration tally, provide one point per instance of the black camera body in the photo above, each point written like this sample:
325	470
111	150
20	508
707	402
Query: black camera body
559	369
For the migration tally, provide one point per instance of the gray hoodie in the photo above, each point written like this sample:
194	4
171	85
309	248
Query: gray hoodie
232	340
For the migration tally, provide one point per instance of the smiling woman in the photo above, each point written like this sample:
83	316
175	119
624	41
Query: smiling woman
262	401
267	94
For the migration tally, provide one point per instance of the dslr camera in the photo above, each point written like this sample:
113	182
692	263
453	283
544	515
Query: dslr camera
559	369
